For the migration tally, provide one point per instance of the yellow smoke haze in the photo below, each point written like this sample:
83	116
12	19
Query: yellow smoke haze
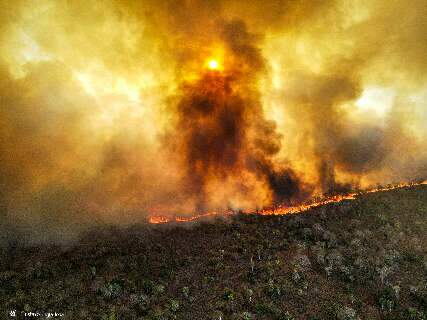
329	96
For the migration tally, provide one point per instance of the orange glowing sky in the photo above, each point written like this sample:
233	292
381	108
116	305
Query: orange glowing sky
90	97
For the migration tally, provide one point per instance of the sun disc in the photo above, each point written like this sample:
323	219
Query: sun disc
213	64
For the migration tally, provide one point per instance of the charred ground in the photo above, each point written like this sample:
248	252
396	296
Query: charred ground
360	259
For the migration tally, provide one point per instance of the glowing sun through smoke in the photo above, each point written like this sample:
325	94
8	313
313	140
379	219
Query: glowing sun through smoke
214	65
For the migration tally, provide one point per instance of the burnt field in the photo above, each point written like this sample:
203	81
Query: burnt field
360	259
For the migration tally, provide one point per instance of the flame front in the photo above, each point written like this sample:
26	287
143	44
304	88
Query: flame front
282	210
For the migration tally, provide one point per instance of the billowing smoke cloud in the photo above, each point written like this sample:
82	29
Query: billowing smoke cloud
223	136
109	113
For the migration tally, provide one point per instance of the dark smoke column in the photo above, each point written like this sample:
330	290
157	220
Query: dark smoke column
211	129
221	130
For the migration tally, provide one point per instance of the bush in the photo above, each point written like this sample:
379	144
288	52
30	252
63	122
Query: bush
229	295
112	289
109	316
158	289
186	292
248	295
414	314
273	289
284	316
388	298
246	316
346	313
174	305
263	308
420	295
143	303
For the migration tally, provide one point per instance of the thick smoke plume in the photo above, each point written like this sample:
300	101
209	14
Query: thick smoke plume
109	113
223	136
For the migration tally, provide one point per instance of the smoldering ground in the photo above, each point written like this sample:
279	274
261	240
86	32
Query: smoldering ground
108	113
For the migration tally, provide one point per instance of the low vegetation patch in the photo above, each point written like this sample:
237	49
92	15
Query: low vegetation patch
361	259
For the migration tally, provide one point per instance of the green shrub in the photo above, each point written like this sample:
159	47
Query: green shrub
264	308
158	289
143	303
186	292
174	305
229	295
109	316
414	314
420	295
284	316
273	289
246	316
112	289
387	299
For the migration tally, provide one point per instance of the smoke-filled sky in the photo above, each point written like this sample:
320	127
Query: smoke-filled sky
109	111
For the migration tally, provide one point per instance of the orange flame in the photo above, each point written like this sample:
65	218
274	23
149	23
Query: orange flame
282	210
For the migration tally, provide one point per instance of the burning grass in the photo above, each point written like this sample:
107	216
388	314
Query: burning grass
284	210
